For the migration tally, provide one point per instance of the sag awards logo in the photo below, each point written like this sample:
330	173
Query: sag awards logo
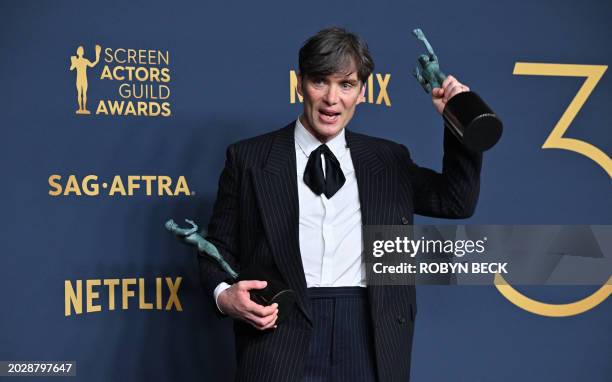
141	79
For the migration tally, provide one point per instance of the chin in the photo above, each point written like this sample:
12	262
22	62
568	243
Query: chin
328	132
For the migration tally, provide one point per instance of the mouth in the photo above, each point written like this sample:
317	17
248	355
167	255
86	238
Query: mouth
328	116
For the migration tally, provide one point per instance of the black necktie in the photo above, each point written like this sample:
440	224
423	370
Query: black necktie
314	178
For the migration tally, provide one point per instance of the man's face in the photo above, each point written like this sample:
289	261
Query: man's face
329	102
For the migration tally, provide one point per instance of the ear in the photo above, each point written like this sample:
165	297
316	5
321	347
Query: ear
361	94
299	85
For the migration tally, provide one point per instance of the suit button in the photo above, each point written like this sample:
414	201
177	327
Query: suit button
401	320
405	220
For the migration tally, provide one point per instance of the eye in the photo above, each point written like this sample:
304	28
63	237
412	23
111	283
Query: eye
318	81
347	85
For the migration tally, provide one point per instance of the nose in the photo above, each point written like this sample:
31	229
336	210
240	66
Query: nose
331	96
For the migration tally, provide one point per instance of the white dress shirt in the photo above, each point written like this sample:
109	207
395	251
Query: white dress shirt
329	229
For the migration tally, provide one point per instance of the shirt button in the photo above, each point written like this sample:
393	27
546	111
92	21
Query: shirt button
405	220
401	320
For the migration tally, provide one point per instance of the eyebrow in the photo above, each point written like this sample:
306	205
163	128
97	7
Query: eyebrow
347	75
344	77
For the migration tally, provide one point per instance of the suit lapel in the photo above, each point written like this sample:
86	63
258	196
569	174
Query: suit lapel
276	189
373	184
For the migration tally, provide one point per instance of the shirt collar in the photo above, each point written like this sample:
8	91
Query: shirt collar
308	143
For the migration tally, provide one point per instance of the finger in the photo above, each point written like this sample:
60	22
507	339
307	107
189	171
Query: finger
254	323
253	320
449	91
260	323
252	284
448	80
453	83
269	322
272	324
437	92
453	89
266	323
460	89
260	310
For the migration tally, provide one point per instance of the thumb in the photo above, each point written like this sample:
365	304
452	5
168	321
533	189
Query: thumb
253	284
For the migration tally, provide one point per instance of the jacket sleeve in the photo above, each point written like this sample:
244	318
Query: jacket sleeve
223	228
452	193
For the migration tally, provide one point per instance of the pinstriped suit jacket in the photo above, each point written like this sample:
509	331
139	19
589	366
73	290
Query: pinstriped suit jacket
255	221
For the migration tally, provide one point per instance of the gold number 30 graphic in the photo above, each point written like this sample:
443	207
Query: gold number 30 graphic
555	140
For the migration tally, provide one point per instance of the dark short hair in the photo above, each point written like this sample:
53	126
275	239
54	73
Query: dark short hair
334	50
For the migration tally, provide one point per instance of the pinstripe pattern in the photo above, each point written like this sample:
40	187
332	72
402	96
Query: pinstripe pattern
255	221
341	347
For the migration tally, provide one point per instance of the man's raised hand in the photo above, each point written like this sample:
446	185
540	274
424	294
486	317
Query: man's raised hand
450	88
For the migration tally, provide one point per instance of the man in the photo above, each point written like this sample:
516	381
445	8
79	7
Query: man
81	64
294	201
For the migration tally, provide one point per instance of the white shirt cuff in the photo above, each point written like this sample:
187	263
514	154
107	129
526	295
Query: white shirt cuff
220	288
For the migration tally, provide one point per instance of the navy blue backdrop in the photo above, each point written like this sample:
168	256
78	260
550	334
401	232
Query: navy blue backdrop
229	66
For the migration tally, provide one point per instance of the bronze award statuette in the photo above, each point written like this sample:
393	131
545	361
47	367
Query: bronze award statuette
465	114
275	292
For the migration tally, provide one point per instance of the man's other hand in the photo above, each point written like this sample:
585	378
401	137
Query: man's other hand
450	87
236	302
